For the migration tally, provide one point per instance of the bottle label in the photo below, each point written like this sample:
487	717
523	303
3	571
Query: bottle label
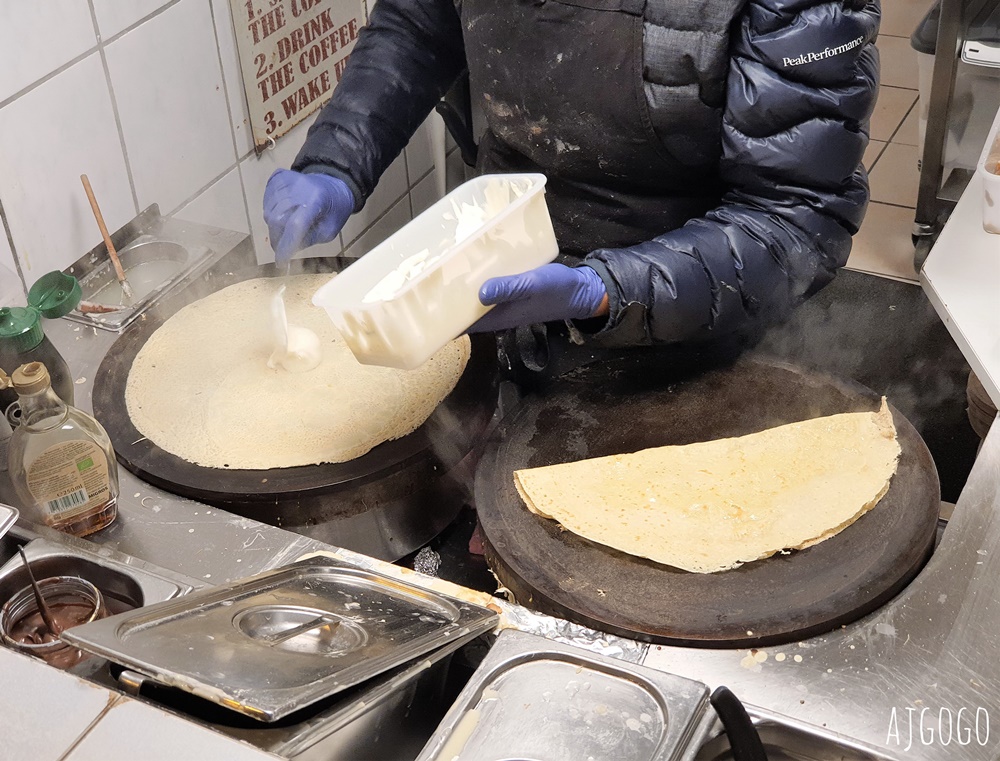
69	478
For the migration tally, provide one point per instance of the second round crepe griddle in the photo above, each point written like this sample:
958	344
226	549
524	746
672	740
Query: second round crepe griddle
628	404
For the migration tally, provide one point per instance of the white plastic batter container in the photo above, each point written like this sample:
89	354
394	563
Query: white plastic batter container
419	289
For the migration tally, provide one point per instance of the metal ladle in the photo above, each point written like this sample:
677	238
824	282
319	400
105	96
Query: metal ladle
43	607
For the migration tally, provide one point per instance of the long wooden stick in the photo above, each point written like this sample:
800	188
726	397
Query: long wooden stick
119	272
43	608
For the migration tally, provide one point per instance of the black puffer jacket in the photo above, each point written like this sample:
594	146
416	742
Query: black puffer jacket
800	86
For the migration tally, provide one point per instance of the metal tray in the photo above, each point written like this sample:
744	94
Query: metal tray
8	516
533	698
124	585
274	643
187	249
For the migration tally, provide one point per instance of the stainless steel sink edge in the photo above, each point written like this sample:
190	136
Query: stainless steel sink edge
204	245
762	718
158	584
684	701
713	744
324	726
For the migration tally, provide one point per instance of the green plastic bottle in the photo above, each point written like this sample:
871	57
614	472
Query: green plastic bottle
22	339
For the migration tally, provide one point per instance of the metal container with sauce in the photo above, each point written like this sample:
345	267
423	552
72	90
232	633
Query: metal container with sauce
71	601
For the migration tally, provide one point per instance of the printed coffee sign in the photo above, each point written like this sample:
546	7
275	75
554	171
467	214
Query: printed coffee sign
293	53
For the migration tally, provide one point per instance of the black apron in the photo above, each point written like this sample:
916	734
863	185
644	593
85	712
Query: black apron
560	83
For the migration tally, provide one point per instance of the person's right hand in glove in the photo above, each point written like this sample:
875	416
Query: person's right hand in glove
303	210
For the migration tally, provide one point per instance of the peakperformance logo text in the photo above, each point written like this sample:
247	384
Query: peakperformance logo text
822	54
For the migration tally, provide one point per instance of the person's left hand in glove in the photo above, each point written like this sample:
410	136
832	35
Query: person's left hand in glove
546	294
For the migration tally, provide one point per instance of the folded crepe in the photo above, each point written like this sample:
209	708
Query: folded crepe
714	505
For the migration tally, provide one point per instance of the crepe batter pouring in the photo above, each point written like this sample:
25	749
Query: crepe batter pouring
297	349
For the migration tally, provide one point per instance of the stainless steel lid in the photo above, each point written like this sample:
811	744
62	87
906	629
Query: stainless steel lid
534	698
274	643
8	516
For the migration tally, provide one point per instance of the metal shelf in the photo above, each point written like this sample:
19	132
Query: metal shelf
937	194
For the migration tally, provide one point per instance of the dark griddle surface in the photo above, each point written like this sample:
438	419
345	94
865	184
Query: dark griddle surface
446	437
629	404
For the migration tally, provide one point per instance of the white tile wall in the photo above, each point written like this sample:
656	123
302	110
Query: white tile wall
11	287
133	730
44	710
424	194
168	85
221	205
388	223
457	170
392	185
419	153
49	137
234	79
169	125
113	16
37	38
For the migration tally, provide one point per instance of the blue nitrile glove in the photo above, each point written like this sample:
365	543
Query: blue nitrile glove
302	210
548	293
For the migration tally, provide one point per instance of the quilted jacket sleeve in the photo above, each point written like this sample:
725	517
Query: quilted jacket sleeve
405	59
800	90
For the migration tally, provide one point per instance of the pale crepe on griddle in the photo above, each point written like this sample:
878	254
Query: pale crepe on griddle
715	505
201	389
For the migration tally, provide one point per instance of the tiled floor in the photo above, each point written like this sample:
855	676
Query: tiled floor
883	245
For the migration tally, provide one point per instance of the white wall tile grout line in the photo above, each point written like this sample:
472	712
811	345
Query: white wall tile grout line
225	87
381	216
392	205
232	126
246	206
194	196
136	24
72	62
100	49
13	250
114	107
409	185
407	192
51	75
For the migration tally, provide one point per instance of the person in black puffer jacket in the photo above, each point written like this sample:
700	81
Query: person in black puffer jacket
703	156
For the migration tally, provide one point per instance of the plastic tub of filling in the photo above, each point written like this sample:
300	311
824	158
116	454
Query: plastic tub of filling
419	289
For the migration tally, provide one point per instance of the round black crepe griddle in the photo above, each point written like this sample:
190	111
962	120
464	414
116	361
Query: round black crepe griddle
309	494
627	404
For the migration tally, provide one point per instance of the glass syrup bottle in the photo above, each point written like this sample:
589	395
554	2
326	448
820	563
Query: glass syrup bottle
61	460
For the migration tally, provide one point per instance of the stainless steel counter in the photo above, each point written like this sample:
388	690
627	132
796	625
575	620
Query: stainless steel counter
934	652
